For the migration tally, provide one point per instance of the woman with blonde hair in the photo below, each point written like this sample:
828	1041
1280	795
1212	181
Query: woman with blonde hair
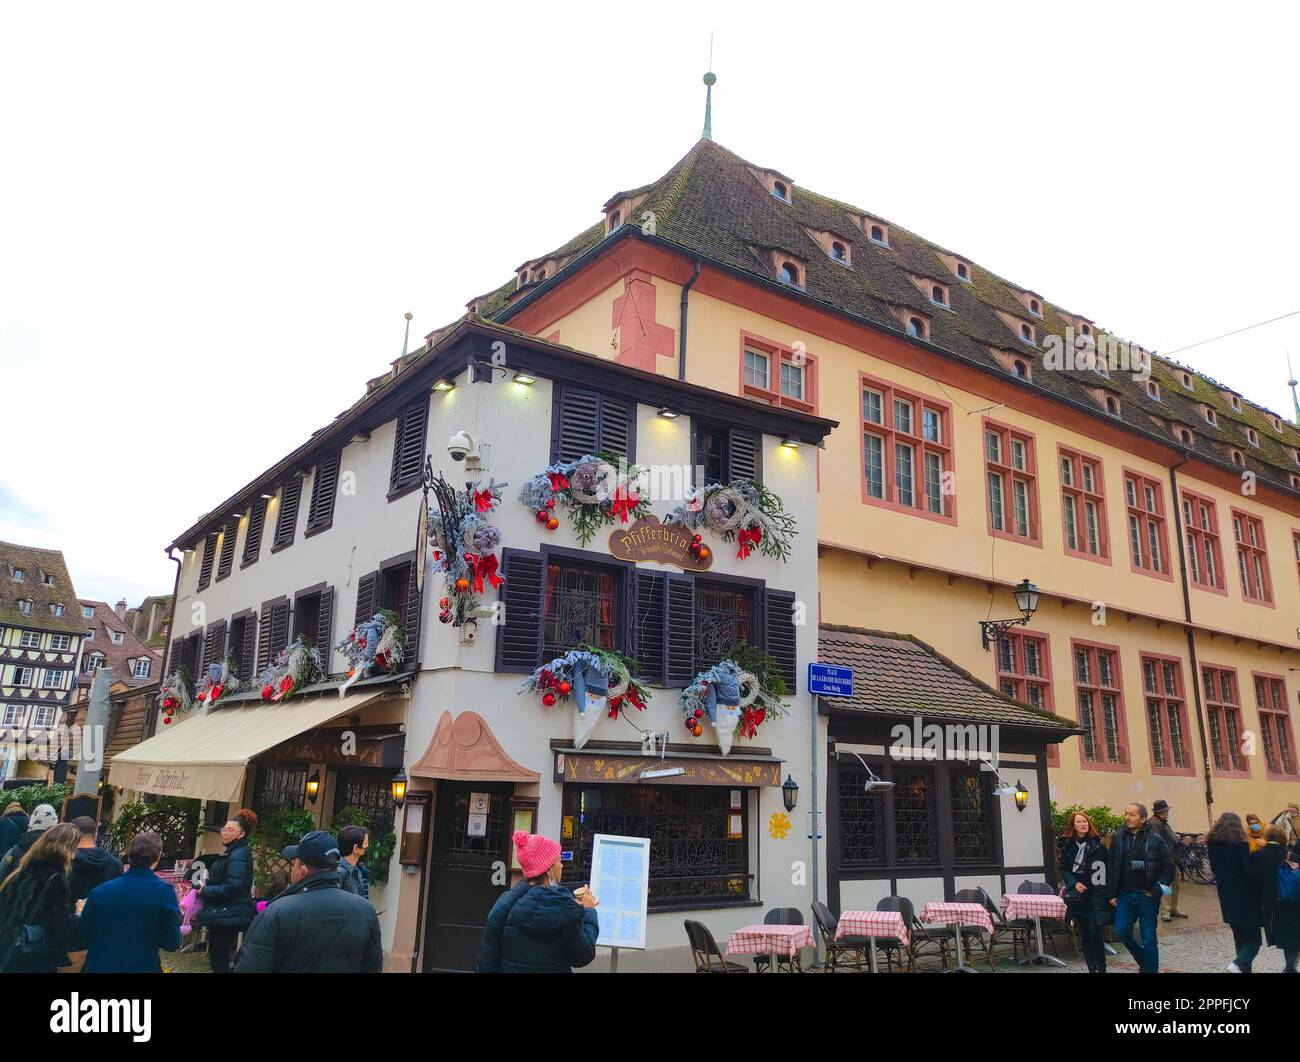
36	916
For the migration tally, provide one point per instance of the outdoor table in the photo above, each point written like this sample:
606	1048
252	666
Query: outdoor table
765	939
872	924
958	915
176	879
1035	905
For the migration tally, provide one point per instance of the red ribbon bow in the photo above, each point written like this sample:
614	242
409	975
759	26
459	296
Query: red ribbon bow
623	503
631	695
751	720
749	536
483	500
482	566
559	481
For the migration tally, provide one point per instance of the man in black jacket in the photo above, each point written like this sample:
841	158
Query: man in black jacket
91	865
313	926
1140	870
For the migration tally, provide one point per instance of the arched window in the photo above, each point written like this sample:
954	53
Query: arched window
937	295
1186	437
1112	407
1022	370
779	190
962	271
1026	333
1210	418
1034	307
541	274
1087	331
615	220
790	274
1237	459
916	327
877	234
839	252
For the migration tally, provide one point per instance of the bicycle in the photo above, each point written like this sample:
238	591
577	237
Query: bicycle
1194	859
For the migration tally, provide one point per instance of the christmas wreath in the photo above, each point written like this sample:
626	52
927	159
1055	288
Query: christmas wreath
297	665
737	695
176	693
743	512
464	546
218	679
597	680
596	489
376	645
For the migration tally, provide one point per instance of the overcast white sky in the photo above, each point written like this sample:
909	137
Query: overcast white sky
213	218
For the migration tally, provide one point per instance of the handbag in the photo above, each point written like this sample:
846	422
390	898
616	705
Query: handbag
33	943
1288	883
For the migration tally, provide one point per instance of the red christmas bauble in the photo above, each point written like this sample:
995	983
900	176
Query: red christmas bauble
550	503
548	699
699	713
444	602
444	616
167	720
267	691
704	553
564	688
286	683
541	516
170	703
552	524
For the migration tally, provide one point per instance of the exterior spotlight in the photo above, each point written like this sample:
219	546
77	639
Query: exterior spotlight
444	385
790	443
668	413
525	378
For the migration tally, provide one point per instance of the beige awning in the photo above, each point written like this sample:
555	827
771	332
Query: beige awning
205	755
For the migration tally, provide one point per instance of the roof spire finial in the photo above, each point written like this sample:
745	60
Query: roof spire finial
710	79
406	339
1293	383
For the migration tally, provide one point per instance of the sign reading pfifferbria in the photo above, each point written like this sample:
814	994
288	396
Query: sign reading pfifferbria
649	540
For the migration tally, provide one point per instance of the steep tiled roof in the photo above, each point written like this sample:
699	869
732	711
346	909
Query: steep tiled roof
116	656
138	618
898	675
36	564
712	203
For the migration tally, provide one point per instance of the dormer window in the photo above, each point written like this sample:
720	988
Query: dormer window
916	327
1020	368
1277	424
963	271
116	637
47	578
939	295
1211	417
1238	458
1295	455
780	191
1236	402
1153	390
1295	485
1035	308
839	252
56	610
615	220
1027	333
790	274
1112	405
24	606
1187	380
1185	437
87	612
879	234
1086	329
1252	436
18	575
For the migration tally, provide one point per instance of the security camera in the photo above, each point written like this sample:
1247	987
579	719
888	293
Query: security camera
461	445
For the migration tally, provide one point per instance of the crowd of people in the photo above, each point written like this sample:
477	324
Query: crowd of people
67	904
1132	883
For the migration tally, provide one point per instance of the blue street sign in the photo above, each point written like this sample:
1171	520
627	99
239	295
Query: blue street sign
826	680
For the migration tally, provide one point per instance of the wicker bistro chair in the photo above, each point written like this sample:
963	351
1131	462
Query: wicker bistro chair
704	950
972	935
779	916
922	940
1019	930
892	948
849	952
1050	925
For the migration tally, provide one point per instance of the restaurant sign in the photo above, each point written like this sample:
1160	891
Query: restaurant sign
649	540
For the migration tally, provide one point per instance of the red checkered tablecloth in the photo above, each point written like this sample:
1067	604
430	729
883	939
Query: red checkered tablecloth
884	924
769	940
950	914
1032	905
176	879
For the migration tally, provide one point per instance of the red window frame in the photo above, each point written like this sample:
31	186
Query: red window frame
1252	559
892	436
1224	720
1295	545
1164	692
1075	494
1150	523
1275	733
1007	474
1017	680
1088	681
778	354
1202	541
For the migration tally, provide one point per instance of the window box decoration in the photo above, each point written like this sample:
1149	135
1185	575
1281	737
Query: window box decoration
595	490
743	512
218	679
737	696
297	665
176	693
376	645
599	681
464	546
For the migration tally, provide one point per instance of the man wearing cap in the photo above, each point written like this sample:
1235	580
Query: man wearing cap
313	926
1160	824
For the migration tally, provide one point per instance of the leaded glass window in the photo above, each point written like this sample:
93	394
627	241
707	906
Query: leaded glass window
916	841
724	618
973	839
581	606
861	821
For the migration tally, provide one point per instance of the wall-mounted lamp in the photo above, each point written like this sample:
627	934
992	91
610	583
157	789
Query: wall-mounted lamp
236	516
445	385
874	783
1022	796
789	793
398	787
667	412
267	497
361	436
313	786
1026	595
525	378
790	443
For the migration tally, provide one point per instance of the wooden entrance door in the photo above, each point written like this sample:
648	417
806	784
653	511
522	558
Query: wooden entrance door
461	874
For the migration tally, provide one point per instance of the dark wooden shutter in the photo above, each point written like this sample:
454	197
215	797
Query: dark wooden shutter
778	621
616	427
519	637
248	650
648	624
280	614
264	637
679	630
367	586
324	487
286	520
746	450
228	537
214	645
253	537
205	569
174	657
578	424
325	627
273	634
408	446
411	621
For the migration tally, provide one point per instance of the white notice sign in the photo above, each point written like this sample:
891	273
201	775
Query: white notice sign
620	878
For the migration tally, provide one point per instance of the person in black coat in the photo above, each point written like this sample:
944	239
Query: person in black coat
91	865
43	817
314	926
36	894
1083	864
227	893
1281	918
539	926
1139	870
1234	877
126	920
12	826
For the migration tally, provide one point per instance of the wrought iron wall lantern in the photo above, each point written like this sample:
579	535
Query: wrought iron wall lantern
1022	796
1026	595
790	793
313	786
398	787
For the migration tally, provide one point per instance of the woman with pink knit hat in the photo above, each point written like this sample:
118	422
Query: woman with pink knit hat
539	926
